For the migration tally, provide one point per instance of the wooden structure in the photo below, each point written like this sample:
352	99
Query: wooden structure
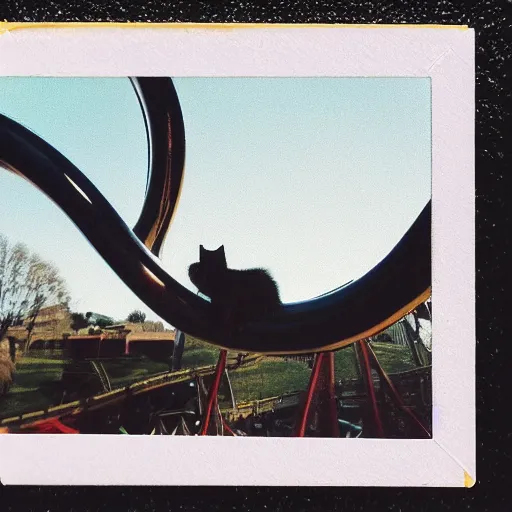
119	342
51	324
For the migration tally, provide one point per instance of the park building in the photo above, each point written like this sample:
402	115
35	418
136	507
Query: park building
121	340
52	330
50	324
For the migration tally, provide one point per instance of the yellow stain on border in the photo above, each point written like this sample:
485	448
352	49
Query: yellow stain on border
468	481
9	26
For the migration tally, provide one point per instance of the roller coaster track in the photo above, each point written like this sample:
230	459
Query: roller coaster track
102	374
355	311
118	395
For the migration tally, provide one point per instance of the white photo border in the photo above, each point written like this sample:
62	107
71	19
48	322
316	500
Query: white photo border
446	55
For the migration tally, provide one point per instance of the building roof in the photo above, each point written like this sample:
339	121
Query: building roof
131	337
150	336
89	337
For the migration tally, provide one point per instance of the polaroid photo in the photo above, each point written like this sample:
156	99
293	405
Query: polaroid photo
257	240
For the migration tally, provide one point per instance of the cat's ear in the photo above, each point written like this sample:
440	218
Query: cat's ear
201	251
221	252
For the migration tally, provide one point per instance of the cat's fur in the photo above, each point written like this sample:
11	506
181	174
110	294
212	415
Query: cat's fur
239	296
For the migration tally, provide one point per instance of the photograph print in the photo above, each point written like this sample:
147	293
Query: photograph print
188	256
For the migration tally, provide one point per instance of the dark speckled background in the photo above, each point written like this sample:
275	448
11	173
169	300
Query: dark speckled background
492	22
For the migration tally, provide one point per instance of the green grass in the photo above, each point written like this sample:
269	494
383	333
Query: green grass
198	353
393	358
269	378
273	377
345	364
29	391
125	371
27	362
195	343
32	388
195	358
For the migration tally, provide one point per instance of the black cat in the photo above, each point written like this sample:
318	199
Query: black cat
238	296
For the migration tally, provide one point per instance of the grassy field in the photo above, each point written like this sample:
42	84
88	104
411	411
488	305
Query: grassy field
345	364
393	358
36	377
32	385
198	353
274	376
36	381
125	371
268	378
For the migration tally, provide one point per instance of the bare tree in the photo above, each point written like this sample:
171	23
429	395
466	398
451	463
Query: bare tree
151	326
27	284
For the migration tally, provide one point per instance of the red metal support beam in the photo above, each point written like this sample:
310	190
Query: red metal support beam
322	383
395	394
313	379
227	427
212	395
367	374
331	390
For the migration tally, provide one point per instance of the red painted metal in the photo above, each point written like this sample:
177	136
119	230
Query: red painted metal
48	426
301	427
331	389
395	394
322	382
367	371
212	395
227	427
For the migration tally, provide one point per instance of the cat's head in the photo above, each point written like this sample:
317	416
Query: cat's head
205	274
215	259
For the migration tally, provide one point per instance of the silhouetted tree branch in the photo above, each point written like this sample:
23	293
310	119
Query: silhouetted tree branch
27	284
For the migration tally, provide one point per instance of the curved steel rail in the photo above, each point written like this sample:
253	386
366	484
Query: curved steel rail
166	156
360	309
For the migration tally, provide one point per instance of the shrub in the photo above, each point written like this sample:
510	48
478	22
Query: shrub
6	368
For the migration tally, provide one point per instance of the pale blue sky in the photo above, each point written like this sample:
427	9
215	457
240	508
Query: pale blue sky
315	179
